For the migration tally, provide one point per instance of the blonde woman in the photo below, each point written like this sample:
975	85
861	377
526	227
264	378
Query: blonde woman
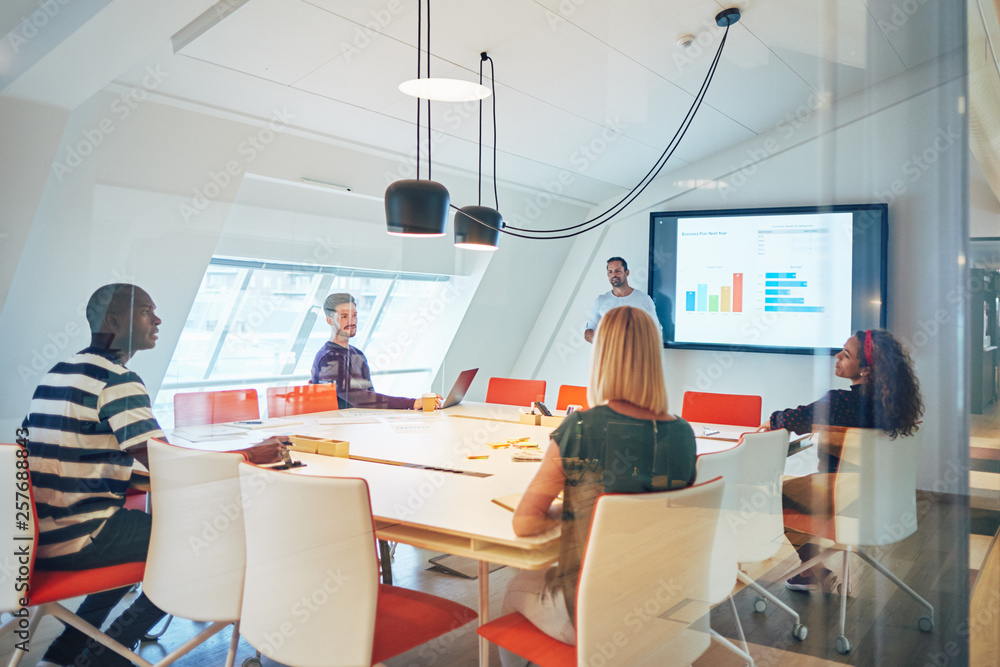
628	443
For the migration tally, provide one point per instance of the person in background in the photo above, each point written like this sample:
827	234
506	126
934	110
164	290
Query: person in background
884	394
90	417
621	294
628	429
340	362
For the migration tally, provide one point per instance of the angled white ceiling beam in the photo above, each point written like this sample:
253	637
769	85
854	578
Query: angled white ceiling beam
104	46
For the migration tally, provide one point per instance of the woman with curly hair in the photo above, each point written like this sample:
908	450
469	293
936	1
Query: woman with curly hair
884	394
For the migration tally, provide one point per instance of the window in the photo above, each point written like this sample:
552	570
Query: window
260	324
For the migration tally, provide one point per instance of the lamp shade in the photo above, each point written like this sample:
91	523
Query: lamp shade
416	208
470	232
445	90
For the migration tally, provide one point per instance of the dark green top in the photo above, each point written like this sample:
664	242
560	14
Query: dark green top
604	451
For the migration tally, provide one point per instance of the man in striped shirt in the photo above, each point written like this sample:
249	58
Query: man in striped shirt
90	418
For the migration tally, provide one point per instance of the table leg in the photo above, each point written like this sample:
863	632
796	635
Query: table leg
385	558
484	611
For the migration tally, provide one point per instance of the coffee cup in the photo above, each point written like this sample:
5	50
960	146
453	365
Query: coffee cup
430	402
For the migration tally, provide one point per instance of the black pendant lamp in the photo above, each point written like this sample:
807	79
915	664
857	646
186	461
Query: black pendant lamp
415	207
478	227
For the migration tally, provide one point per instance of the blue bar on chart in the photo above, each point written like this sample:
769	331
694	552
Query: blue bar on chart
788	299
776	292
778	276
785	283
702	296
794	309
689	301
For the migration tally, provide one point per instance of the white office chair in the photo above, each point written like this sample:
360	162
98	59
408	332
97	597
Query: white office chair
643	595
725	464
197	553
874	504
752	520
312	597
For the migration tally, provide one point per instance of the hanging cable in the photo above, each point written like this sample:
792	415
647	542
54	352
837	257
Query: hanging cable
419	31
643	183
479	182
653	172
660	162
493	87
429	142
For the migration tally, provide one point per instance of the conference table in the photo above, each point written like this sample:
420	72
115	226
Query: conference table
433	477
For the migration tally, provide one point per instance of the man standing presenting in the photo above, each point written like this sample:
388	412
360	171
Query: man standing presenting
90	418
339	361
621	294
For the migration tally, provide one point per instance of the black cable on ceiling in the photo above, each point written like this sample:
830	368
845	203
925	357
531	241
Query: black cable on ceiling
637	190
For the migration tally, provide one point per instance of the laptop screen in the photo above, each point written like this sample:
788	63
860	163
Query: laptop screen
462	385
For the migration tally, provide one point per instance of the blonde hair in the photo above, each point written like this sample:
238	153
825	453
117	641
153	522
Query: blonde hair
626	363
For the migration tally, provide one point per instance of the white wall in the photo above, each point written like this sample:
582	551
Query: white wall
855	152
133	196
26	158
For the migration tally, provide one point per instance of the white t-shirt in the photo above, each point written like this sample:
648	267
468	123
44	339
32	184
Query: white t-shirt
608	300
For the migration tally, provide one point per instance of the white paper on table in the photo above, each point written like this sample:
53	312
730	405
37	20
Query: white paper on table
261	424
410	427
348	419
208	432
409	416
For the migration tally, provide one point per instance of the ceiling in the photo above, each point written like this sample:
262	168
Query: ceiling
592	90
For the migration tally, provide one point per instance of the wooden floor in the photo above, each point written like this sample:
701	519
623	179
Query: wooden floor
984	459
881	619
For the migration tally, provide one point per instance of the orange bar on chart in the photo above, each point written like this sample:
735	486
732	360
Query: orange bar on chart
726	298
737	292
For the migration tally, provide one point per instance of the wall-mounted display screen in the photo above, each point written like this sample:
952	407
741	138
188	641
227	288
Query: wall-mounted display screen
796	280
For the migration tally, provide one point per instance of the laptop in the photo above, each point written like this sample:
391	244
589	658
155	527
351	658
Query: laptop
462	385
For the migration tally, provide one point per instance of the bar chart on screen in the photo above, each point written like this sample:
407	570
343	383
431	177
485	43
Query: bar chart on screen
729	298
768	279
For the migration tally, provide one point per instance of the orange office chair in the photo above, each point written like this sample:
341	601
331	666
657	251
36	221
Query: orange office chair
509	391
215	407
45	591
731	409
571	394
287	401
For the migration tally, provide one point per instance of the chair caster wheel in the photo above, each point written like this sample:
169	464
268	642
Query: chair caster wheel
759	605
926	624
252	662
843	645
800	632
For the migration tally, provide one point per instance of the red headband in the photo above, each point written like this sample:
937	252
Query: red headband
869	347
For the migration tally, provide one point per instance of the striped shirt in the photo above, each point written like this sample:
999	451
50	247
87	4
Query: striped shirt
84	412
